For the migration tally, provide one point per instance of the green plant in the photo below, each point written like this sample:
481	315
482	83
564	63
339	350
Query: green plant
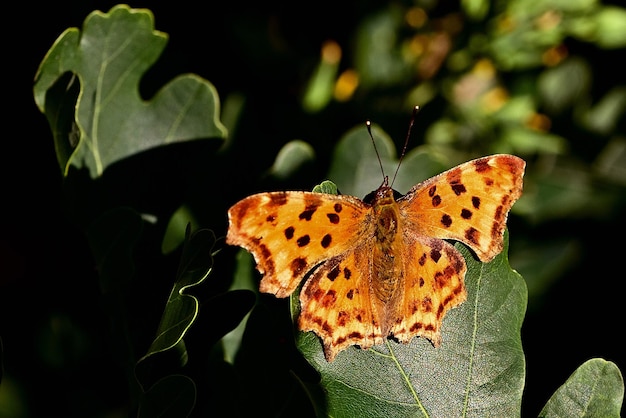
127	165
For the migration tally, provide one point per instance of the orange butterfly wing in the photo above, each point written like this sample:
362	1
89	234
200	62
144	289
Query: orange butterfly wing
289	233
381	269
338	305
468	203
432	283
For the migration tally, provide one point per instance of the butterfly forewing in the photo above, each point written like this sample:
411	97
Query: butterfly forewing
468	203
289	233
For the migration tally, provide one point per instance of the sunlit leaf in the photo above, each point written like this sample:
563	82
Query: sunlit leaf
319	92
595	389
475	9
291	157
111	120
609	27
326	186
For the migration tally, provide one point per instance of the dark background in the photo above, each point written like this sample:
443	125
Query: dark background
45	262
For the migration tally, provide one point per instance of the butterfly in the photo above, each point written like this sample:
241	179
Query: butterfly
379	267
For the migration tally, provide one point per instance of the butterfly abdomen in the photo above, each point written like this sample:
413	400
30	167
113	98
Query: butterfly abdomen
386	270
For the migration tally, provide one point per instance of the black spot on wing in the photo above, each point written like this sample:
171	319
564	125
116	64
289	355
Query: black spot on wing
326	240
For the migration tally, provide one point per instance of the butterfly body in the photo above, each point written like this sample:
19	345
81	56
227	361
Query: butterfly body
386	270
380	268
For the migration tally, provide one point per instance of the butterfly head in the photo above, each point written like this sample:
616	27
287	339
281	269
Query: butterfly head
384	192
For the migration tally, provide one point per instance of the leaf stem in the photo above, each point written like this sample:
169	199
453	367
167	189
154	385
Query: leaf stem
472	350
407	380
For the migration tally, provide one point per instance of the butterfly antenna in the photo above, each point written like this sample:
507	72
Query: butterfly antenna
406	143
369	130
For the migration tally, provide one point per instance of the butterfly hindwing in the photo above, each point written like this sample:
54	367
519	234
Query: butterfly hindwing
432	284
337	304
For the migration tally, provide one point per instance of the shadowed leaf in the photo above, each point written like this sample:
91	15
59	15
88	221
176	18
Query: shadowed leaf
168	353
173	396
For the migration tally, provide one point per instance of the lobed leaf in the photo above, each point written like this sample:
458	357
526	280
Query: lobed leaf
105	119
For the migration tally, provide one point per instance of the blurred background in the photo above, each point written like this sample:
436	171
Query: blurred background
541	79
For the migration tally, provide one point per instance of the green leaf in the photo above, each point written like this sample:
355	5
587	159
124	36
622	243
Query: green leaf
611	162
475	9
378	56
243	279
562	86
110	120
175	233
529	141
182	308
355	165
595	389
481	354
167	352
605	115
319	91
292	157
326	186
609	27
478	370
